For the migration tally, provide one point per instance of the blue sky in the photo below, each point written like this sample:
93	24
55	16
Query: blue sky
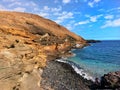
91	19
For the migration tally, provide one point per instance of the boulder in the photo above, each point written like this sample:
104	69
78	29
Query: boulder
111	80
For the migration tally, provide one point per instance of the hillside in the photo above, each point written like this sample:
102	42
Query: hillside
34	24
27	42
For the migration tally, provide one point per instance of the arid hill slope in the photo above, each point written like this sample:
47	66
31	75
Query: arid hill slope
26	42
30	23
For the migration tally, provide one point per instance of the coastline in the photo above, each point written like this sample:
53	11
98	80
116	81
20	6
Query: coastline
58	75
61	74
29	47
79	70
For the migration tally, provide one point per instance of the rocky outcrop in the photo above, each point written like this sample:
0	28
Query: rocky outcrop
27	41
111	80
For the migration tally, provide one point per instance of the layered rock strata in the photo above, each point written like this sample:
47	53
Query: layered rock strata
27	42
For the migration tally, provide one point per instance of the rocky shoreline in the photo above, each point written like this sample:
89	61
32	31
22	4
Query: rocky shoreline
61	76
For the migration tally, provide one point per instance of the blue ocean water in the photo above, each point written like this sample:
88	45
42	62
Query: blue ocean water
99	58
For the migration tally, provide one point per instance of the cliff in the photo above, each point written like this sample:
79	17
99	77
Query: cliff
27	42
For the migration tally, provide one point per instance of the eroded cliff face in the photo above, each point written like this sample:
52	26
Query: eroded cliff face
20	60
27	41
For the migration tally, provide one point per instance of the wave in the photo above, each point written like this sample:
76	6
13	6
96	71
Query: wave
77	69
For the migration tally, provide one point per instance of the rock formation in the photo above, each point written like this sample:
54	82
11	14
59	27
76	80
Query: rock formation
111	80
27	42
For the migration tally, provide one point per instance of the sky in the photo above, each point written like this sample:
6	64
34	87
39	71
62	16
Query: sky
91	19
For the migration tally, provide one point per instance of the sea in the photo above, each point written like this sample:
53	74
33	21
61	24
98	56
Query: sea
96	60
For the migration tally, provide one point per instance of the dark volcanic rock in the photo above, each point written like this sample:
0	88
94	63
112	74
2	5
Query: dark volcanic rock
111	80
93	41
61	76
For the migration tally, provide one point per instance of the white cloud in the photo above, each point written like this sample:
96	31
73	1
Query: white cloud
35	9
70	25
97	1
91	4
46	8
49	12
113	9
12	3
82	22
58	21
109	17
20	9
64	16
15	3
56	1
43	14
101	10
114	23
31	4
55	13
87	15
66	1
56	9
94	18
9	0
90	25
53	10
2	7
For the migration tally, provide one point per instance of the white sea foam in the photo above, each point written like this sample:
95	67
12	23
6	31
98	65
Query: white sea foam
74	54
60	60
80	71
73	49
